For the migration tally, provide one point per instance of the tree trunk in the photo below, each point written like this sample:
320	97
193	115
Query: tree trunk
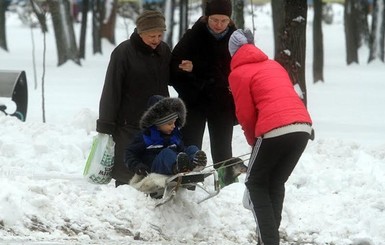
83	29
183	17
109	19
238	17
376	40
318	50
291	45
97	10
351	32
169	14
40	13
278	8
3	35
64	31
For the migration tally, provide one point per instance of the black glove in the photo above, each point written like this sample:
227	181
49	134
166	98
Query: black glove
142	169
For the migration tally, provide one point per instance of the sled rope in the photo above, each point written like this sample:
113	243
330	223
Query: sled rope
234	163
221	162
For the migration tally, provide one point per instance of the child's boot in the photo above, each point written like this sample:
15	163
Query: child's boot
199	161
182	163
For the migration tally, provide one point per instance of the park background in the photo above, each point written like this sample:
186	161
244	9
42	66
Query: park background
334	196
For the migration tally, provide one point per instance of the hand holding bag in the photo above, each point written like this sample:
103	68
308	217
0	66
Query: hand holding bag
100	160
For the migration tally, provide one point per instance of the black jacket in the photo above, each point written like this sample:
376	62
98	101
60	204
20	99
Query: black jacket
207	85
135	73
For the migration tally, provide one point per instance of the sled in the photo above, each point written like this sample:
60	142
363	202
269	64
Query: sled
188	181
164	187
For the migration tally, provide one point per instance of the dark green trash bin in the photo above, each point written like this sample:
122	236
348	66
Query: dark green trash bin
13	84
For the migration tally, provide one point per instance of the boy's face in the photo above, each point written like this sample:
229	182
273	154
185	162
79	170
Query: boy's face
168	127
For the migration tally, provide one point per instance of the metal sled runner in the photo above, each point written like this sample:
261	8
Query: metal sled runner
189	181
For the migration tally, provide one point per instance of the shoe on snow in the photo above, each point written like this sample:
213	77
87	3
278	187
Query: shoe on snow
182	163
199	161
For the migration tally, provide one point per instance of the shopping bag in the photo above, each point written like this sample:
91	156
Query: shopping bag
100	161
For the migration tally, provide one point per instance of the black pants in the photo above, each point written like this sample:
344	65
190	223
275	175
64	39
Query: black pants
220	127
271	163
122	137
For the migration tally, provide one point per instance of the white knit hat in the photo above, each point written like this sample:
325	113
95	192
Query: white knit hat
239	38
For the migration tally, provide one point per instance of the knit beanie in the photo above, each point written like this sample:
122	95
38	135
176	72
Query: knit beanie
218	7
239	38
150	20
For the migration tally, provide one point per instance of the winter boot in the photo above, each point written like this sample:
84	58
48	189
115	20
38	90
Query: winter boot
199	161
182	163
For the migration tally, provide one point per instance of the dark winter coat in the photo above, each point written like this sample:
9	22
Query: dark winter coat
135	73
207	85
148	144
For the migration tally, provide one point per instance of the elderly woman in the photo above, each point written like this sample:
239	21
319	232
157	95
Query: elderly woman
138	69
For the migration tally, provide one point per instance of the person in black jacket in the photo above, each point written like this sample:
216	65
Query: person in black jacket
138	69
200	66
159	147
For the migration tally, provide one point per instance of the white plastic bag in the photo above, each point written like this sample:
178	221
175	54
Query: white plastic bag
100	161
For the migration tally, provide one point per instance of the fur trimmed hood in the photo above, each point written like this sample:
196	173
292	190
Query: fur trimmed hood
161	107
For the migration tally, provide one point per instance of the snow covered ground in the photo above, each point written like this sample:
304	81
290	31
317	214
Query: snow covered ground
335	195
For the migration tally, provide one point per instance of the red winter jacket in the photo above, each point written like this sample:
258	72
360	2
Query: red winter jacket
264	96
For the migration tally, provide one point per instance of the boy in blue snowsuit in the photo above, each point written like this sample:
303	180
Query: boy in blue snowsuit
159	147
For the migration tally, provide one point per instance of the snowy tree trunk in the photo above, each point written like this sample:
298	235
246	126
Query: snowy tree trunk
183	17
278	8
3	36
318	49
291	41
376	40
83	29
40	13
109	19
169	14
238	17
351	32
64	31
97	9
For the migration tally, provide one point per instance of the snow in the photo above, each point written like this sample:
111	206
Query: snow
334	196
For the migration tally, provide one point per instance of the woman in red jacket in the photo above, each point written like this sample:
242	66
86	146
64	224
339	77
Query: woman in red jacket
276	124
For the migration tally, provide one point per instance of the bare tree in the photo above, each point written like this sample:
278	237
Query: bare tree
64	31
3	36
97	10
290	39
40	13
356	28
318	49
83	29
238	17
169	14
376	40
183	17
107	29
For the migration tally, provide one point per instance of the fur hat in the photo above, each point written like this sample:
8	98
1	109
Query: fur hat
239	38
218	7
162	110
150	20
